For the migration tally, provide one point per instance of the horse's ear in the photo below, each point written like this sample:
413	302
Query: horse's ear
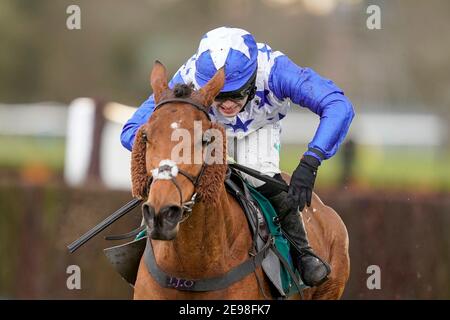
213	87
158	80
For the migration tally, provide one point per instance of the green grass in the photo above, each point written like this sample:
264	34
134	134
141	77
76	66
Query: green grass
17	152
399	168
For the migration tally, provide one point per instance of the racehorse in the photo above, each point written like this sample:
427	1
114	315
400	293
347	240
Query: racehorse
214	237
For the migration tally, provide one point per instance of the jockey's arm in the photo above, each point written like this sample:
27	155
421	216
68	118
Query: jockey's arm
320	95
141	116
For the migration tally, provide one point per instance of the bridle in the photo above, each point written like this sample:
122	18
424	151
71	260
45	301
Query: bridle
168	170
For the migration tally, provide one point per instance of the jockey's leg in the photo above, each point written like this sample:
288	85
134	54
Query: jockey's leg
260	150
313	270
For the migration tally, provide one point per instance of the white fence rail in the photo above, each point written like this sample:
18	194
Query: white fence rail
89	151
40	119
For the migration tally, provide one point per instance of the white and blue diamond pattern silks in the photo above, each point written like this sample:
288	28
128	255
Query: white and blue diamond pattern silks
279	81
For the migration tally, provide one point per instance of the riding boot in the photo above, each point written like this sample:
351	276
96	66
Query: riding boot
313	270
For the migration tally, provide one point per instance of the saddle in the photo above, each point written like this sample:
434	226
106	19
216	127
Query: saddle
269	246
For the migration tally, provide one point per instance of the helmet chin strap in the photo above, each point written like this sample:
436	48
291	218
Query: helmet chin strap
252	92
250	96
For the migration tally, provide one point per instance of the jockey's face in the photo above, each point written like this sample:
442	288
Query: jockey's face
230	107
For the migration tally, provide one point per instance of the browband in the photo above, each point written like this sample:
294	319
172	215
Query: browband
185	100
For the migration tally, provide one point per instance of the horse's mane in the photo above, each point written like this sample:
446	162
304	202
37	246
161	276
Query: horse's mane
213	176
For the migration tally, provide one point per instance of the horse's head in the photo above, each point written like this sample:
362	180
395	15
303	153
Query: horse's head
181	171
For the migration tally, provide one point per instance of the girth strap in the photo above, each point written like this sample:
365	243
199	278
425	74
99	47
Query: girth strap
208	284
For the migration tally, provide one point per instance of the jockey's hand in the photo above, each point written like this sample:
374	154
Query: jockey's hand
302	183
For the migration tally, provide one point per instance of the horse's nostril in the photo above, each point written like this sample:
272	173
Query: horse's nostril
171	213
148	212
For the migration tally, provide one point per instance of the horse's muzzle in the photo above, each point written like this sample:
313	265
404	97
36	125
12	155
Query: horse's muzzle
164	224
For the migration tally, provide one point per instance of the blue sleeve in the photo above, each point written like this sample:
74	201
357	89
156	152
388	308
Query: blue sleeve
141	116
320	95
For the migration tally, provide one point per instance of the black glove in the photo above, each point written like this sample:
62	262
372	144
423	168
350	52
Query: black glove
302	183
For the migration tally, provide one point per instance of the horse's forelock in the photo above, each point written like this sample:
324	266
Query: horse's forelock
182	90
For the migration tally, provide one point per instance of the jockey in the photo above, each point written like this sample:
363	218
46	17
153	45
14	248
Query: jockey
259	85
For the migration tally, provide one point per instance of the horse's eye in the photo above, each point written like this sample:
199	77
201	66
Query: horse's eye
144	137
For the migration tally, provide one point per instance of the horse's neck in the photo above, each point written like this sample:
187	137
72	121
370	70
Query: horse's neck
205	241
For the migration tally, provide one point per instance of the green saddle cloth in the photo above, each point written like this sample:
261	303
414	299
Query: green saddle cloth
281	243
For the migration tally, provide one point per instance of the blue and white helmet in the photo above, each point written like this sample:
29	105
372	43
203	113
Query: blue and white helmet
233	48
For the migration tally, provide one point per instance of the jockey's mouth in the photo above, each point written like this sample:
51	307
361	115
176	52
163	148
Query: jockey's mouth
231	108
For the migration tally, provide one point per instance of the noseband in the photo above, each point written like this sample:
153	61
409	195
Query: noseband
168	170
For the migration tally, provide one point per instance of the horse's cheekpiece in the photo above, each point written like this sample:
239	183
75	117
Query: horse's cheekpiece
268	250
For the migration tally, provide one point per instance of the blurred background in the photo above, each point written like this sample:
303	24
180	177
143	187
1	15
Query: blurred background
65	94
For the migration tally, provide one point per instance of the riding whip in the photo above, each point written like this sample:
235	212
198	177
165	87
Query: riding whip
104	224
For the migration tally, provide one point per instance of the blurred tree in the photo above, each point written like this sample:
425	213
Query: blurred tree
348	159
404	65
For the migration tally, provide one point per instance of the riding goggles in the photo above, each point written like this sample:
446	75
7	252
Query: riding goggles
247	90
